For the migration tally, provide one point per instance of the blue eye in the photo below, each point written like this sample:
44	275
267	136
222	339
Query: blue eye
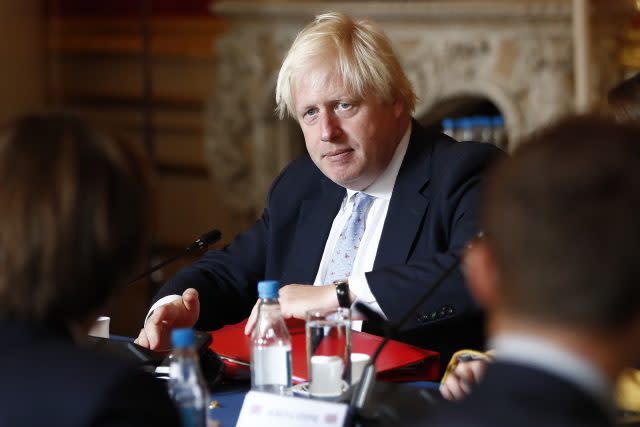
344	105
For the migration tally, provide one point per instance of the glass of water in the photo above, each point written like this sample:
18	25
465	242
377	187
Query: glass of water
328	338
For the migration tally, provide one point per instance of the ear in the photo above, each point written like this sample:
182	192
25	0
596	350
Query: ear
398	108
481	273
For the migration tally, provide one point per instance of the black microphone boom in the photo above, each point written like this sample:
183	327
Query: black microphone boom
363	390
201	242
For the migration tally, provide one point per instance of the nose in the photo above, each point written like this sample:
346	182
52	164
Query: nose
330	128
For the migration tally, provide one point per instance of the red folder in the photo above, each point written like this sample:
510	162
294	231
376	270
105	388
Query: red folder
397	361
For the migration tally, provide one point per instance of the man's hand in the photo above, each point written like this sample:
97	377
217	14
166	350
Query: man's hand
296	299
181	313
460	381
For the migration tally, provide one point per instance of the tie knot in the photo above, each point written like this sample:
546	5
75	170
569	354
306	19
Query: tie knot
361	201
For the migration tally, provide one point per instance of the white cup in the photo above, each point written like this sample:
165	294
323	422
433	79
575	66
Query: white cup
326	372
358	362
100	329
328	339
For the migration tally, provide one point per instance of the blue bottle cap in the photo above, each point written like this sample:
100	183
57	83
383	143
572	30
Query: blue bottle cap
268	289
182	337
465	123
447	123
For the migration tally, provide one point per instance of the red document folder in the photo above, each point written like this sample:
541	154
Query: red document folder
397	361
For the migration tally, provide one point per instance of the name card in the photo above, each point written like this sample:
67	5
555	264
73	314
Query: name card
270	410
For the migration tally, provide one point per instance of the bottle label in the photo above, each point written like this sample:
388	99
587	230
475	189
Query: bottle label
271	365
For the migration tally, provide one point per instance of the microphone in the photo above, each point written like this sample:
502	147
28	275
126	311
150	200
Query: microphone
203	241
149	360
362	393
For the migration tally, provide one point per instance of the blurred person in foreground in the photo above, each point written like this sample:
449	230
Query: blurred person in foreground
75	225
557	273
467	367
343	84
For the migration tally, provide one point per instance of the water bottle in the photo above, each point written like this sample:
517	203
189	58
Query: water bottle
485	133
270	344
448	127
499	136
187	387
466	129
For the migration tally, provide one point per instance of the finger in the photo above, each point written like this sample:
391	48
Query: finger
477	368
248	328
142	339
190	299
453	385
159	325
465	386
470	372
164	314
445	392
153	335
463	372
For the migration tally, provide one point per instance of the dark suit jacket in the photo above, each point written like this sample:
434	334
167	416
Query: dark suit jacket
432	215
46	380
515	395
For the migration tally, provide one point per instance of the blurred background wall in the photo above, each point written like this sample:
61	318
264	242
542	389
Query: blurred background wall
22	57
191	82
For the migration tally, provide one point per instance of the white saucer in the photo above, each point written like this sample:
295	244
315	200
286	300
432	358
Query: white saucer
302	390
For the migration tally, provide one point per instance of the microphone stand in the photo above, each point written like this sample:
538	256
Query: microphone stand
148	360
203	241
362	392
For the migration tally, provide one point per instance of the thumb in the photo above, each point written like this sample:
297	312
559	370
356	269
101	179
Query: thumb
191	301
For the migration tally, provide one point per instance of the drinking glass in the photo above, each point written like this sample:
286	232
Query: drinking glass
328	339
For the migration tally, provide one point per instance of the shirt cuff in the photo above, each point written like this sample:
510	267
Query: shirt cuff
162	301
360	288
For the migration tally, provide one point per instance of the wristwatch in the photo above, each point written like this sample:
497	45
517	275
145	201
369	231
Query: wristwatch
342	291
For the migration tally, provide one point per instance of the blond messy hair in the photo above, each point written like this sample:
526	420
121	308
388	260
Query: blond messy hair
365	61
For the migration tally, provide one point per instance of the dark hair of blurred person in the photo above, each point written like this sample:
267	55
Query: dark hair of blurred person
562	220
75	223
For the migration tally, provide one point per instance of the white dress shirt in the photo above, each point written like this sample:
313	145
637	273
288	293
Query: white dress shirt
381	189
535	352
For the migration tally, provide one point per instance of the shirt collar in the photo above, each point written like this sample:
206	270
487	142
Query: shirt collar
382	187
536	352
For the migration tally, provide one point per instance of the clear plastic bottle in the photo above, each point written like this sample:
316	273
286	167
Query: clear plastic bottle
187	387
466	129
484	129
270	344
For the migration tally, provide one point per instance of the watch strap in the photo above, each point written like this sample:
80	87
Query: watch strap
342	292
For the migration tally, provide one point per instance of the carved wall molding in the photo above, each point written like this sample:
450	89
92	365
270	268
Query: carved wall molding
519	55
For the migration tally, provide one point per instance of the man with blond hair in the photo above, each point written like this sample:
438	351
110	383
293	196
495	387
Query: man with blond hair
378	200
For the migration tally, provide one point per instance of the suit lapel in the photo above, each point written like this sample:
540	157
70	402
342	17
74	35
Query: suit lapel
312	230
409	202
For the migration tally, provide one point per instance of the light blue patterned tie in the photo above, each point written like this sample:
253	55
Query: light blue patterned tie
346	248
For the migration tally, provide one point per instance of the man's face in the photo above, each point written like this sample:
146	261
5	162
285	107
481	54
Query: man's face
351	140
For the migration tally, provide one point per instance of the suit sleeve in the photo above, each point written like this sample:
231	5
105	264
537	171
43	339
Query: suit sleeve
226	279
